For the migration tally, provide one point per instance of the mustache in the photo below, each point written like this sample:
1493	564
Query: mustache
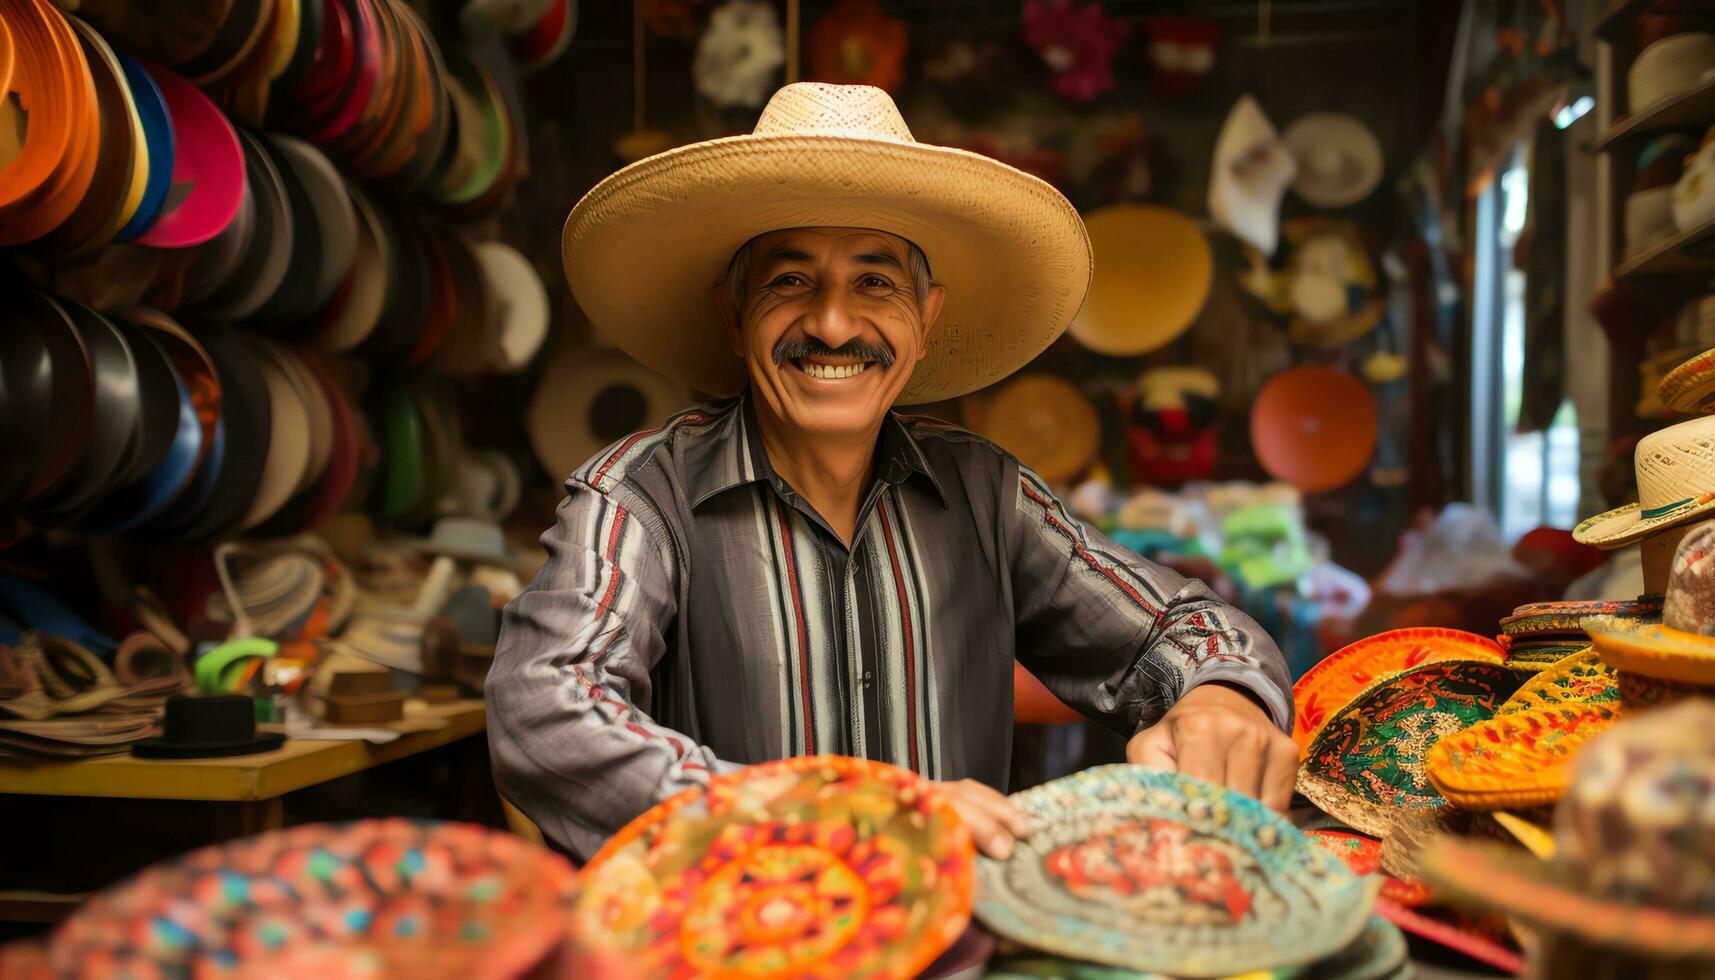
857	350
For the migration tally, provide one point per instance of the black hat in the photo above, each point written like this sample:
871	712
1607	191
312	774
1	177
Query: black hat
206	727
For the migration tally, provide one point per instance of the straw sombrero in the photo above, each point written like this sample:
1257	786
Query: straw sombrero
1516	760
1009	249
1676	483
1689	387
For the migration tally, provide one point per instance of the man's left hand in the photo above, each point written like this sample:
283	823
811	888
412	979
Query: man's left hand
1219	734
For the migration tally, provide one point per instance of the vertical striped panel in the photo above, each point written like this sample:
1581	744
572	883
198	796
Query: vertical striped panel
920	603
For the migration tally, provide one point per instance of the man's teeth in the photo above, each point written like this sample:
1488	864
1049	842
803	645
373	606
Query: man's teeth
834	372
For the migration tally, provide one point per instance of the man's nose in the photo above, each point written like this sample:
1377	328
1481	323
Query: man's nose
832	320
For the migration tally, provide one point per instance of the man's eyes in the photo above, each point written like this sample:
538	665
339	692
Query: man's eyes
875	282
788	280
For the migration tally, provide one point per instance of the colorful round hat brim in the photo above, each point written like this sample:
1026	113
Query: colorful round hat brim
158	137
1654	650
208	168
1538	618
1688	387
1154	270
1463	941
44	76
1362	854
1541	895
1314	427
67	184
866	869
101	212
1344	674
1579	679
1516	760
1365	767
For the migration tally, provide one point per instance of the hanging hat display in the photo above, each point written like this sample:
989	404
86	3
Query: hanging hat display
1314	427
856	43
1248	176
1162	873
1339	159
1171	432
588	399
1153	273
1045	421
740	51
1323	285
1694	194
1077	43
1181	53
811	866
1675	470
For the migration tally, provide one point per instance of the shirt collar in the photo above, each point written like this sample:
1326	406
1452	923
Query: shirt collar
737	458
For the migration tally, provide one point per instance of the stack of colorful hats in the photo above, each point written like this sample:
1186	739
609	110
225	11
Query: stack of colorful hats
1541	634
1674	659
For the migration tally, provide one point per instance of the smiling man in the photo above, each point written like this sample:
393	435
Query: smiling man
802	571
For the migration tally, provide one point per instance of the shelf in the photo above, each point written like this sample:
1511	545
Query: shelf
1621	20
1687	253
1691	109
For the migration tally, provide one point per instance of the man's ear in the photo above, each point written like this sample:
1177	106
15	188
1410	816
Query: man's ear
932	303
729	318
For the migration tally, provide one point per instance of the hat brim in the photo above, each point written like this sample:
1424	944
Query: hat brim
645	248
1539	894
1623	525
1653	650
1688	387
161	748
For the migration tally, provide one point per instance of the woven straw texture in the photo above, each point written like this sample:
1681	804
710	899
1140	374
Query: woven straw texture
1676	483
1579	679
1518	760
646	246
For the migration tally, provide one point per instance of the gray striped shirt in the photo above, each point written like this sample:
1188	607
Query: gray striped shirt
696	613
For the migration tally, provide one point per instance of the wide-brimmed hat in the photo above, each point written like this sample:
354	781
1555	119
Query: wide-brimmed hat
1634	862
1676	483
1339	159
1681	648
645	248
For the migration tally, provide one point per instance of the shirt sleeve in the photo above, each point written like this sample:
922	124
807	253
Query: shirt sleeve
1117	637
570	745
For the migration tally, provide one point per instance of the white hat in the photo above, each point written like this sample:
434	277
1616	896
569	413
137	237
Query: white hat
1676	483
1339	160
1250	173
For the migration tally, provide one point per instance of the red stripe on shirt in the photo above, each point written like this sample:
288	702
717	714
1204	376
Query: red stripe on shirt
1089	559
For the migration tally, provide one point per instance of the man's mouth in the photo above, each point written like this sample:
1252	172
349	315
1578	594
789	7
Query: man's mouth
823	370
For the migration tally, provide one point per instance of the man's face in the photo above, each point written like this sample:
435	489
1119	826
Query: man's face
831	326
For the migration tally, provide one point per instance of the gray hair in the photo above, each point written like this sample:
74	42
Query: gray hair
738	274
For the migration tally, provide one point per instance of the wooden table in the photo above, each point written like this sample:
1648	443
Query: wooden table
254	784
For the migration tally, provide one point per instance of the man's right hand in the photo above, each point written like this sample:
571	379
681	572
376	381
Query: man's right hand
995	822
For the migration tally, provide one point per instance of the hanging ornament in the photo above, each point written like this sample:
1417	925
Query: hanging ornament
856	43
738	55
1077	44
1181	53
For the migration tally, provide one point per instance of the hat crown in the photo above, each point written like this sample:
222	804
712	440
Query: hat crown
820	109
1676	464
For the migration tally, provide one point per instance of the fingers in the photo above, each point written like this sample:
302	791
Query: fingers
1247	755
995	822
1280	774
1152	747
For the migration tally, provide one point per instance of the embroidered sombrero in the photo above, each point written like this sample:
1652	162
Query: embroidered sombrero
1366	766
1532	658
1010	250
397	895
1581	678
1565	619
1634	865
1162	873
1676	483
1688	387
1342	675
820	866
1516	760
1363	854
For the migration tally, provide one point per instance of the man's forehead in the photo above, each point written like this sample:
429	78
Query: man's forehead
823	241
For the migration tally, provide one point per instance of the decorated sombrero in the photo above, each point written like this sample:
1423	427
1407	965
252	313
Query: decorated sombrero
819	866
1538	620
1634	866
1366	765
377	897
1516	760
1363	854
1681	647
1160	872
1688	387
1344	674
1675	469
1535	656
1581	678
